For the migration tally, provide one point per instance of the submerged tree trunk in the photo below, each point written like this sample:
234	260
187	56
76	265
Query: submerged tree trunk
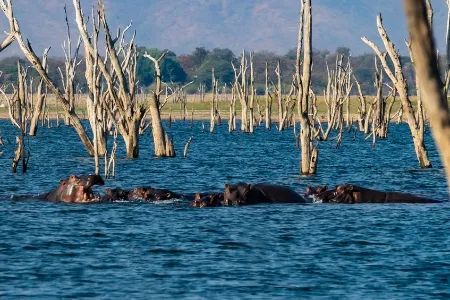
430	82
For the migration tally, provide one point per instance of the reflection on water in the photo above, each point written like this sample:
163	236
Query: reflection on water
168	250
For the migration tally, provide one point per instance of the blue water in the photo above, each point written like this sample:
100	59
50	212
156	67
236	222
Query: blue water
168	250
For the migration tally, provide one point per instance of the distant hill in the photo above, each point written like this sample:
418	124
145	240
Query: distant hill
182	25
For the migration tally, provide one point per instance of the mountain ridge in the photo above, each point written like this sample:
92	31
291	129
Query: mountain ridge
182	25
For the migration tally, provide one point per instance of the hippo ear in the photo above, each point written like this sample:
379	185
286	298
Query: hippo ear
247	189
62	182
349	187
197	196
308	186
227	187
325	188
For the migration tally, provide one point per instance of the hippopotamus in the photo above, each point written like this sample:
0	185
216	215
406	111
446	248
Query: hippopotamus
148	193
249	194
202	200
352	194
115	194
315	190
76	189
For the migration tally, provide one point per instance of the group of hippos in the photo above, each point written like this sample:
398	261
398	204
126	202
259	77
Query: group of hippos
78	189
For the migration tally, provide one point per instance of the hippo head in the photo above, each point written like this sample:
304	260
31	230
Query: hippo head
142	192
117	194
76	189
199	201
208	200
315	190
324	197
343	194
236	194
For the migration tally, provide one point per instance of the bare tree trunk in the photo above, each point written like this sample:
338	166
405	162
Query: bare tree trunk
268	101
252	96
213	105
279	97
363	106
37	111
159	135
423	50
309	156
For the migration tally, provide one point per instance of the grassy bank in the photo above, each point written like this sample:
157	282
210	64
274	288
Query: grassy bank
202	109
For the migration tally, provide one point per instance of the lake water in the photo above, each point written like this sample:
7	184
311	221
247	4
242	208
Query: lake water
168	250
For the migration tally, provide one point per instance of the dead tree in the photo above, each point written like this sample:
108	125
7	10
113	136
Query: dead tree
416	125
337	93
362	110
251	128
380	104
35	61
241	88
8	11
213	102
309	154
268	98
431	86
160	139
120	77
201	92
17	108
447	53
71	64
40	99
232	119
186	147
279	93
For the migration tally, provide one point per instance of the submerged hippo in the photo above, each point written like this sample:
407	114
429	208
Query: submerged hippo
315	190
76	189
148	193
115	194
249	194
207	200
351	194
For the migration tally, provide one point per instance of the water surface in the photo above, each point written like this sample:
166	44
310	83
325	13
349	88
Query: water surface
168	250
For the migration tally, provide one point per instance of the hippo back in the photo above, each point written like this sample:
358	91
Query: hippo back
279	194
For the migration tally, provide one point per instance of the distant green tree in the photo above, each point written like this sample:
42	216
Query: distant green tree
171	69
343	51
220	60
